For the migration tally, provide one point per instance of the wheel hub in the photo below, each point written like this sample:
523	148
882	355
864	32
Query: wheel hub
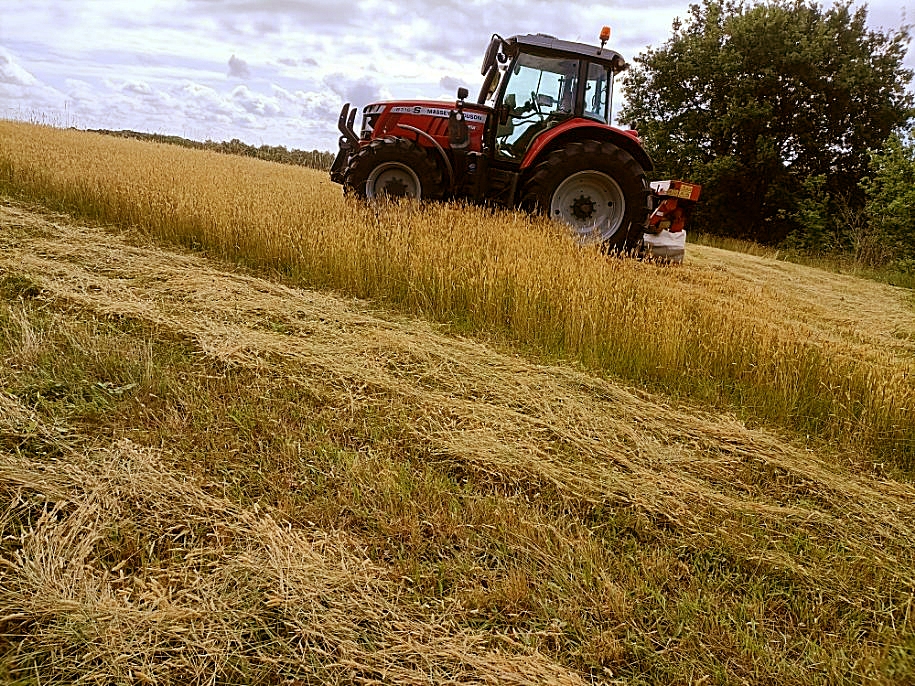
583	207
395	186
393	179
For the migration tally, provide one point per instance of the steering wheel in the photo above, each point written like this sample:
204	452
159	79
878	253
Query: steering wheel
536	105
530	116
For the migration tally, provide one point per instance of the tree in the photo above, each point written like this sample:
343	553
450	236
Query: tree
759	101
890	190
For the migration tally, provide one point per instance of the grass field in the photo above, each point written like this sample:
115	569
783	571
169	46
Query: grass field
895	274
692	332
216	475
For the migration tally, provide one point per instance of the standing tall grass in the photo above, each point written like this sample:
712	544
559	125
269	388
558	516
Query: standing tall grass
501	273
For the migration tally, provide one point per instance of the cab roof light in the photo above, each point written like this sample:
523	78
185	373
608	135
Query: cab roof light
604	36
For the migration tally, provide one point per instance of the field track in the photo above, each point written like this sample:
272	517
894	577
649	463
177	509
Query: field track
558	491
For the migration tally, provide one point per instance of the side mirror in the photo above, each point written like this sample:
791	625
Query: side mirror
462	93
490	55
544	100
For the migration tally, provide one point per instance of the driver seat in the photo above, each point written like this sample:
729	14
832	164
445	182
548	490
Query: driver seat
508	128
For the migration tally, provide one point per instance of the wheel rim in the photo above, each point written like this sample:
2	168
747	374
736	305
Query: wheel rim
393	179
591	203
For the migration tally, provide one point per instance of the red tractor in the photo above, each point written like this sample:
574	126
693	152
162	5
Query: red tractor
539	136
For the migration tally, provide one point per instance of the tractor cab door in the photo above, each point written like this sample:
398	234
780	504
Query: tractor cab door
539	93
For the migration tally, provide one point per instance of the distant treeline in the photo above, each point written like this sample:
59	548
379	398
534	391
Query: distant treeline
316	159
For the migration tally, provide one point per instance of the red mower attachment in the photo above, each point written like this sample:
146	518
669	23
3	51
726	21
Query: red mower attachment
665	236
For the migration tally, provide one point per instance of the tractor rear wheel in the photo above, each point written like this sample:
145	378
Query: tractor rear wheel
392	167
597	189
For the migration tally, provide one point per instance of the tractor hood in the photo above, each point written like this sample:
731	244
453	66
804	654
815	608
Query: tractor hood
403	117
427	108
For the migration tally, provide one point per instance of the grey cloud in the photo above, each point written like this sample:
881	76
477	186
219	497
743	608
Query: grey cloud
360	90
238	68
286	95
303	62
886	18
449	83
268	17
136	64
137	87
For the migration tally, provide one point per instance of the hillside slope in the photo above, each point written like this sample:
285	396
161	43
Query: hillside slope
761	347
860	317
217	478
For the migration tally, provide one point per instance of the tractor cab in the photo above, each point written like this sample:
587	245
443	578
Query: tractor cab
536	82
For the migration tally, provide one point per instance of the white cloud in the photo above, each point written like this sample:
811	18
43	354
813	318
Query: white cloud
323	107
254	103
198	100
12	73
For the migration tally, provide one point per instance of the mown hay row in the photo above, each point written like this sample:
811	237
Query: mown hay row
620	533
120	569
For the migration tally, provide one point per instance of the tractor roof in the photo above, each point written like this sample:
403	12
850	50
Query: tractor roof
543	42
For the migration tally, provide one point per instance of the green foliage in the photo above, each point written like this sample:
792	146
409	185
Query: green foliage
813	213
762	102
831	223
882	231
890	192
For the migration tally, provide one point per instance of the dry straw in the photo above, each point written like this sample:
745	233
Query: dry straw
125	571
670	542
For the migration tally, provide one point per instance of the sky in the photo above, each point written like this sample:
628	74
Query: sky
277	72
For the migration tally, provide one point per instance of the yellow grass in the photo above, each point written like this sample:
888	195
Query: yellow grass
694	331
210	477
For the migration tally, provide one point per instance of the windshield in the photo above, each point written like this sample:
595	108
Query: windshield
543	84
540	93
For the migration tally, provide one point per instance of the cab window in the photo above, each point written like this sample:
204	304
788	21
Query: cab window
597	93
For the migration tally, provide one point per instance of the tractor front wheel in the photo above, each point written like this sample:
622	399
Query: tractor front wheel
597	189
392	167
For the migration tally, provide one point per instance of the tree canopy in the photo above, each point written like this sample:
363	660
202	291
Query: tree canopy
761	103
890	189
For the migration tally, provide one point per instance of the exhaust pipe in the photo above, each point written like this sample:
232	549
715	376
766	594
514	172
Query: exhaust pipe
349	141
345	124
